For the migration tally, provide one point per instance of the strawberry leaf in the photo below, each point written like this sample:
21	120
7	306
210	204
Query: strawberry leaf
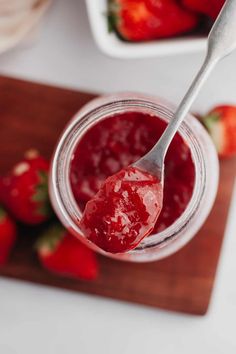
111	21
50	239
112	17
210	120
41	195
45	209
2	214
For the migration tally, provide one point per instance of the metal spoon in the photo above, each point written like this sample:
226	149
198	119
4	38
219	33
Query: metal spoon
221	42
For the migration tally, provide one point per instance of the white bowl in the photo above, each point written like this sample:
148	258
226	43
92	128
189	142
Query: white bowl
111	45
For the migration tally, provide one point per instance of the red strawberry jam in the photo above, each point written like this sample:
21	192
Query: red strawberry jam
117	142
124	210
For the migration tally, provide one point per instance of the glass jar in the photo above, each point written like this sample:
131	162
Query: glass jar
204	156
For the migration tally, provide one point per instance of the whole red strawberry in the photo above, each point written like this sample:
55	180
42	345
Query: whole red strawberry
24	191
7	236
221	125
140	20
62	253
210	8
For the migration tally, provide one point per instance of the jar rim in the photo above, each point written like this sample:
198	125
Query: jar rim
105	107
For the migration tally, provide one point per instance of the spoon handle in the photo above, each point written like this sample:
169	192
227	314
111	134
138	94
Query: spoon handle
221	42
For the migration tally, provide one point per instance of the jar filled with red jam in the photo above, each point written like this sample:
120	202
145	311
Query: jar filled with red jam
110	133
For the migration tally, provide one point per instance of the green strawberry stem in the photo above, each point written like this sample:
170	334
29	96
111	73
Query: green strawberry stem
210	120
112	17
2	214
41	195
51	237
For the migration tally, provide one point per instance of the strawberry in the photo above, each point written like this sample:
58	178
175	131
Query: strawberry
221	125
62	253
210	8
140	20
7	236
24	191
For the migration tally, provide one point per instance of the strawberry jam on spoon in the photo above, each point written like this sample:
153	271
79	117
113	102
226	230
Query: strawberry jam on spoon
123	211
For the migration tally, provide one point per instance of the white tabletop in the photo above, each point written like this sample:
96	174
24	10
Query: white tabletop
35	319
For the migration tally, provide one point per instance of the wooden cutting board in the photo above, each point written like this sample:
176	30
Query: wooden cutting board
33	115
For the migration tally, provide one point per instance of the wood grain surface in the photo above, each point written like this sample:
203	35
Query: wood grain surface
33	115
